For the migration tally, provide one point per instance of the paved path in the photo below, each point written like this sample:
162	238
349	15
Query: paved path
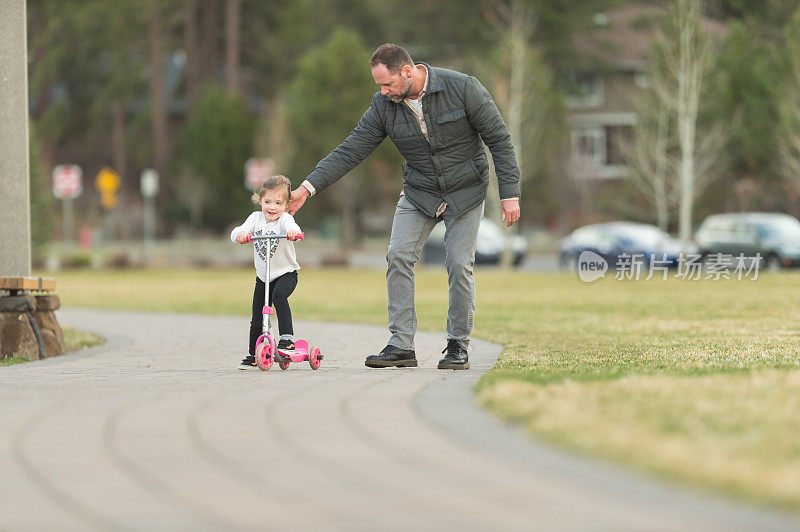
157	430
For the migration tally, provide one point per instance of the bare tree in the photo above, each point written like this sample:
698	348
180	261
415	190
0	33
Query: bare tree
119	121
515	20
273	136
668	161
687	57
191	47
158	92
521	85
690	63
209	41
646	156
789	108
232	45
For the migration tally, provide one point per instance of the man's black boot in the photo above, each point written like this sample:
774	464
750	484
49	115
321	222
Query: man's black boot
456	357
392	356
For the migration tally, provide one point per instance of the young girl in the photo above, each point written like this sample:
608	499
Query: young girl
272	219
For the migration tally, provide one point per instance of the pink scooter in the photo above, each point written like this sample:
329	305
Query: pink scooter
265	345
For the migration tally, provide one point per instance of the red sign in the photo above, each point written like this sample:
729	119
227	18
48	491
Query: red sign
256	171
67	181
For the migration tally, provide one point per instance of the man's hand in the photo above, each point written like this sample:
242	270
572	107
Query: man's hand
299	196
242	237
510	209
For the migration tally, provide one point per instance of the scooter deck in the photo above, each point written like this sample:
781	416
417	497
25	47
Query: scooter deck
300	353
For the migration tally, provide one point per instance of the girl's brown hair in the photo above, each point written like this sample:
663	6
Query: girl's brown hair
275	182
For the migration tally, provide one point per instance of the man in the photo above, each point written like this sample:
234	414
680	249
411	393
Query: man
437	118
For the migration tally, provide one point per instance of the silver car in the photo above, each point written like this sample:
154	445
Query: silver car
492	239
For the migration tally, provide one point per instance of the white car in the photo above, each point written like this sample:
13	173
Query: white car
492	239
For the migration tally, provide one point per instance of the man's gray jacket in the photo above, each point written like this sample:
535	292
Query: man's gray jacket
450	165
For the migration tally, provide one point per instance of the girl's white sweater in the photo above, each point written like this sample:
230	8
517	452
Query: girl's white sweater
281	251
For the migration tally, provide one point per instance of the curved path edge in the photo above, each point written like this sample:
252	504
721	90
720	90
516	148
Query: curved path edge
449	405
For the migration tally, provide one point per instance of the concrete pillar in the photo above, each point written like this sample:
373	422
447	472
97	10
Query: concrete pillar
15	218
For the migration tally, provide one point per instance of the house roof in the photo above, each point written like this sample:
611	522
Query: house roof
623	37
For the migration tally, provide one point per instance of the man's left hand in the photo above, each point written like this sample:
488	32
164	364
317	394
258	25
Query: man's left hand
510	210
297	198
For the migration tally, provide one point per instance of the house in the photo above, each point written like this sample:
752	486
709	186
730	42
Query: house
602	97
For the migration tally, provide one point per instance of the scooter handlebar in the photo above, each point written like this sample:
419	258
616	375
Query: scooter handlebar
251	238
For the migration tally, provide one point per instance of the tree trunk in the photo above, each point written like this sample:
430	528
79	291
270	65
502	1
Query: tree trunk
209	41
118	155
516	90
192	48
158	104
688	96
232	36
519	35
660	178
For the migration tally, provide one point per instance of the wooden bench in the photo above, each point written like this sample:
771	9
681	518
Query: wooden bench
36	284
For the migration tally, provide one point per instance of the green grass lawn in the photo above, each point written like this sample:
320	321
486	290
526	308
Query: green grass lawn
695	380
75	339
12	361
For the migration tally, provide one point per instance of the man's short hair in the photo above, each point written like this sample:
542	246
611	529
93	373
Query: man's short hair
392	56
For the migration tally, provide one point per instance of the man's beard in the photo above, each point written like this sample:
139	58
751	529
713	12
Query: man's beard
403	95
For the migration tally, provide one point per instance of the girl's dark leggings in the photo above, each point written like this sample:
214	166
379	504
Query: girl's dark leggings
279	291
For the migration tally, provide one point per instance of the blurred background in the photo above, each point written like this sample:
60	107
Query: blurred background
149	119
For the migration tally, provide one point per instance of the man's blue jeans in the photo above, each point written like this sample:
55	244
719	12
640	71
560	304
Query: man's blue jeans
410	230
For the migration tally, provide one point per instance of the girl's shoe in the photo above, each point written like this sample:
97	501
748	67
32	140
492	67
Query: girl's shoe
286	345
247	362
283	345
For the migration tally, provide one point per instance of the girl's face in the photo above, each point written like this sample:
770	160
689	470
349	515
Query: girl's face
273	204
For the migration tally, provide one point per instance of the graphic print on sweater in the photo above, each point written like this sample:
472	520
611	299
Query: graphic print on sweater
261	245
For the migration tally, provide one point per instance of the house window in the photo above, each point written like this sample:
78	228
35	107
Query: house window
589	144
584	90
617	137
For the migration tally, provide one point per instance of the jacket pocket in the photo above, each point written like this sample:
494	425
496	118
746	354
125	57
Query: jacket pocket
401	130
416	179
461	175
406	173
405	136
452	124
481	168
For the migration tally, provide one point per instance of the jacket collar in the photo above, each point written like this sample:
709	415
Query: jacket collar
434	85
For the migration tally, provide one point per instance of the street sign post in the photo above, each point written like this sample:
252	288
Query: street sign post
67	181
107	183
256	171
67	185
149	188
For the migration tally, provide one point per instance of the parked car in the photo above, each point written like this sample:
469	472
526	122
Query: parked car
775	236
612	239
489	249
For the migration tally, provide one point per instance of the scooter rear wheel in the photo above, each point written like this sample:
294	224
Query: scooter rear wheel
283	365
314	357
264	353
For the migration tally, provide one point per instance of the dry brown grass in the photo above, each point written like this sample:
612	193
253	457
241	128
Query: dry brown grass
695	380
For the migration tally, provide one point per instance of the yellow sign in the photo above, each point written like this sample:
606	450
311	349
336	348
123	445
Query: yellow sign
107	183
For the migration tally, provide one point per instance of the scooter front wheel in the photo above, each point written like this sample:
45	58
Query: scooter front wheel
264	353
314	357
283	365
